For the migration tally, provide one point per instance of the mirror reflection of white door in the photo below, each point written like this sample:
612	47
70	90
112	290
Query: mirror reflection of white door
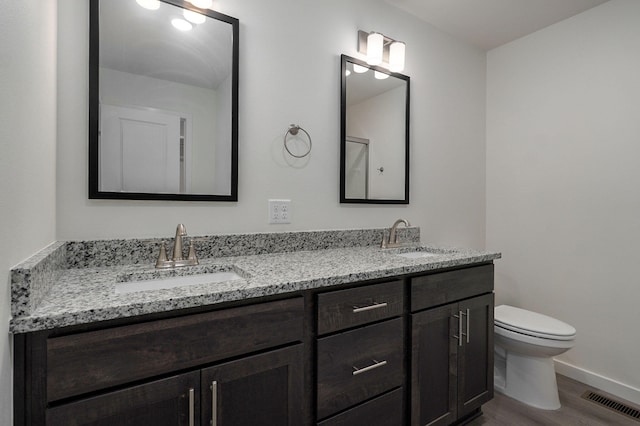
140	150
357	168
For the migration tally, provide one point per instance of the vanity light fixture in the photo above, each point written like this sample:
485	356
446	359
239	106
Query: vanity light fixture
181	24
202	4
396	56
149	4
375	46
382	50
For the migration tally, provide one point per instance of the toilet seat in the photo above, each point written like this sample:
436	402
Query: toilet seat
532	324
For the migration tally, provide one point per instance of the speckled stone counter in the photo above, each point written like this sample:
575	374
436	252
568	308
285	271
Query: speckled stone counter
64	285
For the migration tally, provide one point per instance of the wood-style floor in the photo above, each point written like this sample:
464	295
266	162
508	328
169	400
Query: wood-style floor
505	411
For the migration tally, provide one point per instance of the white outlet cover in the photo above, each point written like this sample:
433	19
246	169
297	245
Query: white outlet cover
279	211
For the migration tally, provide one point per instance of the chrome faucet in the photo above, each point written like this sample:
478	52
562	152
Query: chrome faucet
392	241
177	259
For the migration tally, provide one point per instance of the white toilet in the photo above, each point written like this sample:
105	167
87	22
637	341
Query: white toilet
525	344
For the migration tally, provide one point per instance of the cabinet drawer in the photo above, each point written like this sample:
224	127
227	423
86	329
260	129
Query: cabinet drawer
356	365
385	410
90	361
438	289
342	309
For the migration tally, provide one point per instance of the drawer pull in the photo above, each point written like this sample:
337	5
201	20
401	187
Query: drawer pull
192	409
376	364
357	309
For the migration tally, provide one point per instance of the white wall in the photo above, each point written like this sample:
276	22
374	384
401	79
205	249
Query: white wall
290	73
563	194
28	143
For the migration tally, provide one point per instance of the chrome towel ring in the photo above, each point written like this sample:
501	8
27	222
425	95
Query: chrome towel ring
293	130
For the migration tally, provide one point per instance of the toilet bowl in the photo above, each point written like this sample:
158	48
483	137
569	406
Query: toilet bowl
525	344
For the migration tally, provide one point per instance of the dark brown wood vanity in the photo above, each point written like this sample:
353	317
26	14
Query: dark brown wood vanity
408	350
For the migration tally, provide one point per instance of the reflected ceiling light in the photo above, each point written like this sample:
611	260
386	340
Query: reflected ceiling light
382	50
181	24
359	68
380	75
149	4
194	17
202	4
347	73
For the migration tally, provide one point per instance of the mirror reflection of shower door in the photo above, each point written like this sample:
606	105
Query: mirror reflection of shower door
142	150
357	168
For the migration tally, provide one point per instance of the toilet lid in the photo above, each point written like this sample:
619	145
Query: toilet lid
532	323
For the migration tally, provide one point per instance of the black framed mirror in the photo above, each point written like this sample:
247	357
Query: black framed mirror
374	134
163	101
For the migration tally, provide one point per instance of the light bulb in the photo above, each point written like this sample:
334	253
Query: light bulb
396	56
380	75
181	24
149	4
194	17
359	68
374	48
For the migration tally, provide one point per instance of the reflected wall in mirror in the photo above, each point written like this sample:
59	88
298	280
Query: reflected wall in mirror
374	144
163	107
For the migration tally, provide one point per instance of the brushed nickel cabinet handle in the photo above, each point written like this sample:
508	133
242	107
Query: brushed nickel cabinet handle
214	403
357	309
376	364
192	408
468	333
460	333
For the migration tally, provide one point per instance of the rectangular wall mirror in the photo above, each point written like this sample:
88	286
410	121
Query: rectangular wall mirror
374	134
163	102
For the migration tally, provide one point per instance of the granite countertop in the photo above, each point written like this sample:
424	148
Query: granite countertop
88	294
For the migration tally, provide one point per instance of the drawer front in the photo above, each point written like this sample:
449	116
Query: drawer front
438	289
342	309
385	410
90	361
359	364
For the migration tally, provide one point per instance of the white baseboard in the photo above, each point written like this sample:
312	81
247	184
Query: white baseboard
606	384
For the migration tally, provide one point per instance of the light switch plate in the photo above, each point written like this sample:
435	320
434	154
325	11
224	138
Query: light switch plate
279	211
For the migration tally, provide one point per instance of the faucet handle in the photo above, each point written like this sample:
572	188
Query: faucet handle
162	256
192	258
385	239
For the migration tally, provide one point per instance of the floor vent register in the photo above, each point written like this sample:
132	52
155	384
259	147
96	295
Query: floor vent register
613	405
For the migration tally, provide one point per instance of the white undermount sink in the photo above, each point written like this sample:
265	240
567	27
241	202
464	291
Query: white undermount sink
421	252
176	281
418	254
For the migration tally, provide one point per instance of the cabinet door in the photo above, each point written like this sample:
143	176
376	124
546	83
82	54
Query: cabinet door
260	390
434	365
172	401
475	356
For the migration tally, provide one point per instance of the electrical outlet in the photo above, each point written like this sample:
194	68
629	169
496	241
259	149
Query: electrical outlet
279	211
